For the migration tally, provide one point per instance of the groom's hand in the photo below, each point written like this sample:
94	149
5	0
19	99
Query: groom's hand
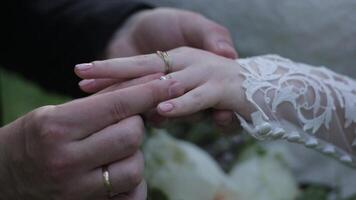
165	29
57	152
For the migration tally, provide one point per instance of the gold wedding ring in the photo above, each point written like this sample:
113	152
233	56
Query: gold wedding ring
167	63
107	182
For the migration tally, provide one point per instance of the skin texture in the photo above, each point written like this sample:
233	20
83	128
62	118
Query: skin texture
164	29
210	81
56	152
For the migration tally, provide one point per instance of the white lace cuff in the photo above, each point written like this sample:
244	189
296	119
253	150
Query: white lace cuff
302	104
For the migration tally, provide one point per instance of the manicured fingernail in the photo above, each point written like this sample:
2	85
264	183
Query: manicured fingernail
84	66
86	82
165	107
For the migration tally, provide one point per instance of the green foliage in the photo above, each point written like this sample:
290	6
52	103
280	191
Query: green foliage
352	198
20	96
314	193
156	194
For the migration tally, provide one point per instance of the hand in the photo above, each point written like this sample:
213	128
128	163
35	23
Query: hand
164	29
56	152
212	81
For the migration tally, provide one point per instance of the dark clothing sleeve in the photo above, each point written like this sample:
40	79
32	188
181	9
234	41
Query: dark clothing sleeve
44	39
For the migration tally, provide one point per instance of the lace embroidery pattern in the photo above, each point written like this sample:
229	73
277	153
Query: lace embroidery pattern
301	103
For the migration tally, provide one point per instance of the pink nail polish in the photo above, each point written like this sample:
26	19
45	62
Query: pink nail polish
86	82
84	66
165	107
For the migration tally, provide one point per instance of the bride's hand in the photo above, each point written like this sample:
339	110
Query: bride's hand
210	81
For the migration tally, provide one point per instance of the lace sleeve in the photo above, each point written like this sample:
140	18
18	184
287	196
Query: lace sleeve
302	104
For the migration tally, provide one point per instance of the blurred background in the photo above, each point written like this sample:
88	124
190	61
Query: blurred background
318	32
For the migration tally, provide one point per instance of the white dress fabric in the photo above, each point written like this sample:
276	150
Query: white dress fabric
300	103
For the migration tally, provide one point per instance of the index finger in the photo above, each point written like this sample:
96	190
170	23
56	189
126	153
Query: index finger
91	114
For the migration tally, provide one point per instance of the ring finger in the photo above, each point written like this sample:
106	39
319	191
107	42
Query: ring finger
124	177
132	67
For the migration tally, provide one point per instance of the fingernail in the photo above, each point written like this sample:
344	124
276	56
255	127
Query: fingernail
165	107
224	45
86	82
227	49
84	66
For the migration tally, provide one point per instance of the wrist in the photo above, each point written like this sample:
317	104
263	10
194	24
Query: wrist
236	92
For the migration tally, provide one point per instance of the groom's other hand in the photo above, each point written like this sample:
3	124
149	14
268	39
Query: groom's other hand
57	152
167	28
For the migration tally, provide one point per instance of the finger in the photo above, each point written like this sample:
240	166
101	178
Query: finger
94	85
125	176
219	42
131	67
86	116
189	78
111	144
208	35
133	82
196	100
139	193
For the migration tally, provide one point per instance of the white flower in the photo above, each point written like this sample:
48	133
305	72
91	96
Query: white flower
264	177
182	171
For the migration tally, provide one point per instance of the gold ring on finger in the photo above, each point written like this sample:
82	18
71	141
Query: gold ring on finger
167	62
107	182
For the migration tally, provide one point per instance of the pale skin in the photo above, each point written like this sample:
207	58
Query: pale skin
209	80
59	156
164	29
56	152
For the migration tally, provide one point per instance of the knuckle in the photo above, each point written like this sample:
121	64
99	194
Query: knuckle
197	98
43	114
153	94
135	174
133	138
191	51
45	122
57	168
185	49
120	110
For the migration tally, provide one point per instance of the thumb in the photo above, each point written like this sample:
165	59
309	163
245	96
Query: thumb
205	34
218	40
